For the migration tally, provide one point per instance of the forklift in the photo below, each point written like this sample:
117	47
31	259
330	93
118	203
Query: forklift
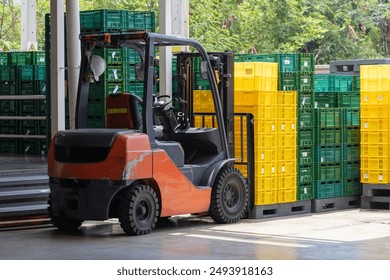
148	163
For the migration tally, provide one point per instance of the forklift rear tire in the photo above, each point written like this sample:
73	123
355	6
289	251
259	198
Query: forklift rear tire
64	224
229	196
138	210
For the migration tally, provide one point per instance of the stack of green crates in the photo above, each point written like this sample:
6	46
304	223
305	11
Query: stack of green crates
23	74
339	94
120	74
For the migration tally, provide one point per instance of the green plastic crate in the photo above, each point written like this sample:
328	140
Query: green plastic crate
328	136
3	58
351	135
9	107
355	83
103	20
9	146
131	56
305	119
39	58
328	189
305	155
306	81
348	99
305	137
114	74
306	62
342	83
21	58
9	88
141	20
305	173
305	101
351	117
305	191
351	152
39	73
29	107
352	187
112	56
9	127
256	58
328	172
288	62
328	118
351	169
288	81
96	107
324	100
40	87
321	83
25	73
136	88
8	73
28	127
96	122
330	155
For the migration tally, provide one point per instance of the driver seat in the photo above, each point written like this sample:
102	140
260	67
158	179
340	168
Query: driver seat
122	111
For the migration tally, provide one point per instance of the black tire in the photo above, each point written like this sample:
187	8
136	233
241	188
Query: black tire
138	210
229	196
64	224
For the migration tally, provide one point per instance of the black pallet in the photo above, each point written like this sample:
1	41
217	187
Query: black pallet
281	209
335	203
376	196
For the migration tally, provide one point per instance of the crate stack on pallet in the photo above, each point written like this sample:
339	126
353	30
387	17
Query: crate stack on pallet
375	136
23	126
337	121
120	74
274	114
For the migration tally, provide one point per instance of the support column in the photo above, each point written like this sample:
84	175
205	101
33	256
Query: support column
74	56
28	34
57	66
173	21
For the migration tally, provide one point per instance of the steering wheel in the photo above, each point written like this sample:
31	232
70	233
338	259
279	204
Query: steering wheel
160	104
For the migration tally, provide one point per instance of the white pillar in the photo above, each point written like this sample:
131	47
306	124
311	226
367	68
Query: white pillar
173	21
74	56
57	66
28	34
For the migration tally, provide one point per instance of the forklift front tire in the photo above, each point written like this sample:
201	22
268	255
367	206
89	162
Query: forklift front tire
229	196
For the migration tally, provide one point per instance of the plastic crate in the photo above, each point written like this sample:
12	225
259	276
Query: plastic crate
265	197
131	56
351	169
342	83
305	173
9	127
245	99
375	151
25	73
287	98
329	155
40	87
374	176
287	126
321	83
287	189
39	58
328	118
9	146
351	117
288	62
374	137
305	101
325	100
306	81
287	113
351	152
376	98
27	88
96	107
305	191
375	124
28	127
28	108
203	101
136	88
21	58
305	138
288	81
4	58
266	140
305	119
9	88
328	172
348	99
305	155
255	58
328	136
328	189
255	76
374	84
9	107
352	187
306	62
375	163
103	20
8	73
141	21
96	122
112	56
286	140
356	83
285	153
374	112
114	74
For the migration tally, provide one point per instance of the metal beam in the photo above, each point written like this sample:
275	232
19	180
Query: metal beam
28	34
57	66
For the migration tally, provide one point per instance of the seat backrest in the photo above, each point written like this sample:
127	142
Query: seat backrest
119	111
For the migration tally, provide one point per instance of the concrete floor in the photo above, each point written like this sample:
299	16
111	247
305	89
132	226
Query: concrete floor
341	235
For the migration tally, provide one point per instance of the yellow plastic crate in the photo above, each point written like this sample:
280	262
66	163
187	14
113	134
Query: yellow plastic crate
287	113
265	169
265	183
375	71
287	98
375	124
286	168
255	76
375	98
242	168
245	99
287	125
375	150
265	197
375	163
205	121
286	140
374	176
266	127
374	111
266	140
375	137
287	154
375	85
203	101
287	189
266	155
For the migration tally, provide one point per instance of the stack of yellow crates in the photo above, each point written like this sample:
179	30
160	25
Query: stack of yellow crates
375	124
203	103
255	91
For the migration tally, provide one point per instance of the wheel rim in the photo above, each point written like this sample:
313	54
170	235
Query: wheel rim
231	196
143	212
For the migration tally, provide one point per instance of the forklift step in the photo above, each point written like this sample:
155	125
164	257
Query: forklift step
281	209
335	203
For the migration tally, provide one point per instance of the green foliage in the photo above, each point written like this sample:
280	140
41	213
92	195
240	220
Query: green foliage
9	25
